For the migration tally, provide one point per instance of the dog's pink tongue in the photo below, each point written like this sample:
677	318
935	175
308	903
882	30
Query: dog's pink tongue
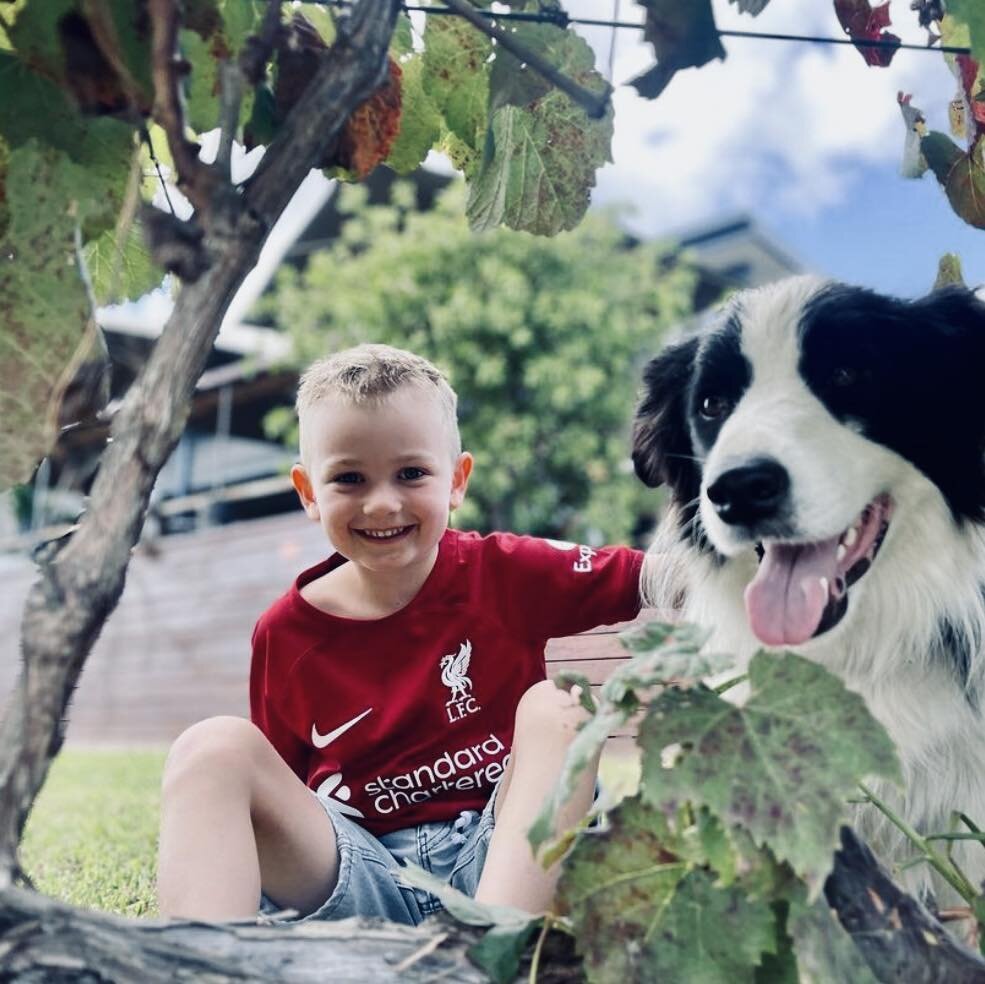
785	600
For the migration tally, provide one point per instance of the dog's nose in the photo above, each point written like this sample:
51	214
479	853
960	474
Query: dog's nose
752	492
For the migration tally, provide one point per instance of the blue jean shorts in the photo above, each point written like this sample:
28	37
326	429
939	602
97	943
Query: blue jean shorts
369	882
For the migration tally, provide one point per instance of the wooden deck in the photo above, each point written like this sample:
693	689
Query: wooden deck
177	649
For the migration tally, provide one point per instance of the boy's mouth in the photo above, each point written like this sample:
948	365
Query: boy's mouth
384	536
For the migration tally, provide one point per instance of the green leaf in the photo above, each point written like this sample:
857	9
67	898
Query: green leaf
949	271
961	174
683	35
44	307
455	75
121	273
669	652
664	649
498	953
825	951
464	908
642	913
972	12
540	158
781	766
420	121
238	19
568	680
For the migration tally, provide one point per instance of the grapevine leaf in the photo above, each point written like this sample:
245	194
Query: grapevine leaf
683	35
420	121
862	21
949	271
121	273
913	164
500	949
456	76
645	913
781	766
320	19
972	12
825	951
670	653
540	158
99	53
34	107
224	37
754	7
4	211
463	907
569	680
665	652
44	307
961	174
370	130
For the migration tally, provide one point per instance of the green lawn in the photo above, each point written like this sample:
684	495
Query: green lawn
92	837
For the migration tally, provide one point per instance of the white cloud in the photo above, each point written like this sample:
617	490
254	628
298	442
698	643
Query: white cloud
786	123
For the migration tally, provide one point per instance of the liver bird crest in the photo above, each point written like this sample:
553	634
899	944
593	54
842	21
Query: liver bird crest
454	672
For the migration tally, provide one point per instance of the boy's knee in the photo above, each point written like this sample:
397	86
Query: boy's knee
220	746
547	714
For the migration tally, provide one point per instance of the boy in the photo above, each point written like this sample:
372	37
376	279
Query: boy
398	697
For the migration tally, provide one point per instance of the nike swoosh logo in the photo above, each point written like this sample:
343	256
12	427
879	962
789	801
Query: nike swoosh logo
321	741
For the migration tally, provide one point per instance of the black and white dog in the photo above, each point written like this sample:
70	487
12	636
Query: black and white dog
823	446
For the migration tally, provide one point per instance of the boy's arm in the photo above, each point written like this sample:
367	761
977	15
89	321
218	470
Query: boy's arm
559	589
263	712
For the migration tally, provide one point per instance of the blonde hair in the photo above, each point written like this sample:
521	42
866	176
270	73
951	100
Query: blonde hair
369	373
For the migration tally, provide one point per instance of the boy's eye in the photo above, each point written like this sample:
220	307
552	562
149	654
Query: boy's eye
412	473
347	478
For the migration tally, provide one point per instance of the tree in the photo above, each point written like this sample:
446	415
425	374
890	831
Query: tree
92	90
541	337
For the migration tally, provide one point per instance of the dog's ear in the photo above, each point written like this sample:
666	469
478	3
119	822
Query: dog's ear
662	451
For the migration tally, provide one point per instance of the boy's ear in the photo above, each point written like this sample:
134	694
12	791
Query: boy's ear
460	479
302	485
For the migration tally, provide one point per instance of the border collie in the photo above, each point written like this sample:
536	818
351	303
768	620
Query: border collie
823	447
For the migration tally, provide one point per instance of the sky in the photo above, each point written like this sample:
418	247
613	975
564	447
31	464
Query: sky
806	139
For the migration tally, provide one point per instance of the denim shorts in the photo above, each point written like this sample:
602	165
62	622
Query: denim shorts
369	883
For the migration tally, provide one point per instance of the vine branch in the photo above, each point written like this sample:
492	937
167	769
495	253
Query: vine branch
196	180
67	607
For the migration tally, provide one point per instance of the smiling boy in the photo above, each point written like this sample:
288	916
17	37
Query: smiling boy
399	705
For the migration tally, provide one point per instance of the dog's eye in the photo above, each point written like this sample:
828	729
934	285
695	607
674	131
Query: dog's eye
713	407
843	377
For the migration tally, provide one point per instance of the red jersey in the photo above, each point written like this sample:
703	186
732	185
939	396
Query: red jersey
409	719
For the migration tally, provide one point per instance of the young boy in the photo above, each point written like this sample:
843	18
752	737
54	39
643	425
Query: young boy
398	697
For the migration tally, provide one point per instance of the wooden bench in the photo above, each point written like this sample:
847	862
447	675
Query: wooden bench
595	654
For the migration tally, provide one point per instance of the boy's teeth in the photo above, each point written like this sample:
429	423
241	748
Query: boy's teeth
384	534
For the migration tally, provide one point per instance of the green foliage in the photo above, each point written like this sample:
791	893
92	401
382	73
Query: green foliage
706	874
780	766
541	151
91	839
541	338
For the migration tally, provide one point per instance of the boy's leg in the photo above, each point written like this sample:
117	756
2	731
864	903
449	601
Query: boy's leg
234	816
546	722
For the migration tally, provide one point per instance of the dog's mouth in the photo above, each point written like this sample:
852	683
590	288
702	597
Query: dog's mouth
801	589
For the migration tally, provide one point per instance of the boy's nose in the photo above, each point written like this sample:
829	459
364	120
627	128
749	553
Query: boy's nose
382	501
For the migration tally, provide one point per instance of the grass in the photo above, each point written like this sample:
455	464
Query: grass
91	839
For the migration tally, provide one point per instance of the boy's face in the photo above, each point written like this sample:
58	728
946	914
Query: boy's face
380	478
